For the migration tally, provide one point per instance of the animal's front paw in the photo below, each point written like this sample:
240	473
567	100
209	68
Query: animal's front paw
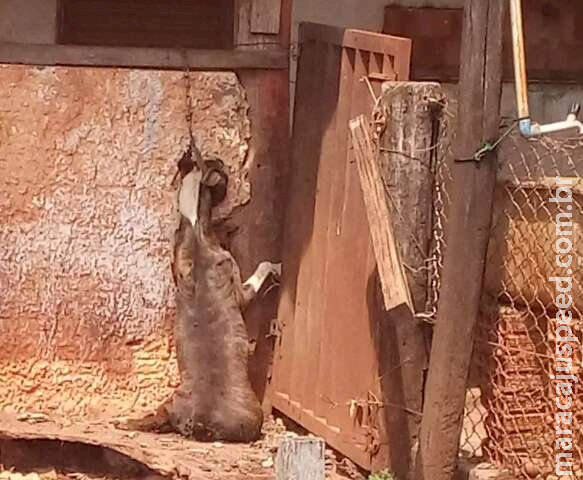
275	269
266	268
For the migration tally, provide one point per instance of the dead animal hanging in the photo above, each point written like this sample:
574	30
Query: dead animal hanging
215	401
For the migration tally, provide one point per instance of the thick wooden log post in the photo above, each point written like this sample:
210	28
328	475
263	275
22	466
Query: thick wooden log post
406	156
397	188
407	153
301	458
467	240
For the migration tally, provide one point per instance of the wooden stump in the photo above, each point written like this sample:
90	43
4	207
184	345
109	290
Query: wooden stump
407	161
300	458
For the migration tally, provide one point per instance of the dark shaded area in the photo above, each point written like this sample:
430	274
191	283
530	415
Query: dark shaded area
437	33
396	336
147	23
35	455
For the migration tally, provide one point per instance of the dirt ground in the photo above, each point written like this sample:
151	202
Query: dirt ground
35	447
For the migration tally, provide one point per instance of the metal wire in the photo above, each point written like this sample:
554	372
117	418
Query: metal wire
511	397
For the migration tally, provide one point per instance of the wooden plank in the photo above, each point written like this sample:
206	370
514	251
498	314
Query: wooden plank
246	38
328	74
298	215
259	223
406	186
301	458
265	16
391	271
346	299
261	220
333	261
351	444
137	57
315	116
469	231
402	173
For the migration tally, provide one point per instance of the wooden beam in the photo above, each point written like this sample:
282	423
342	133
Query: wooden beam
137	57
260	221
467	240
265	16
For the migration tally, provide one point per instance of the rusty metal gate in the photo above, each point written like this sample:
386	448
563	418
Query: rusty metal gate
326	374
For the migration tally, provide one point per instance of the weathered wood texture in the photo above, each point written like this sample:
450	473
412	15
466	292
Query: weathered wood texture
328	298
248	36
141	57
550	27
400	177
387	253
259	223
469	230
407	156
300	458
265	16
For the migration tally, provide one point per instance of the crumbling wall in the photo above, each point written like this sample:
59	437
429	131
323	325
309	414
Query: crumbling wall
88	218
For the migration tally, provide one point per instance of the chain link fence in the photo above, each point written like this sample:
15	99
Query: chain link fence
514	389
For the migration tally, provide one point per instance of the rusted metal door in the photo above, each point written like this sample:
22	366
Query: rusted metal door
326	370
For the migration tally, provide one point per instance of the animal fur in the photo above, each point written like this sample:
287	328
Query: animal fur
215	400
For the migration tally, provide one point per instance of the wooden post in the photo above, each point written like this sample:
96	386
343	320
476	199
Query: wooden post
300	458
260	222
397	189
467	240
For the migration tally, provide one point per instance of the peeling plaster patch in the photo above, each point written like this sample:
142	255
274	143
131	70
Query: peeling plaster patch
87	217
219	102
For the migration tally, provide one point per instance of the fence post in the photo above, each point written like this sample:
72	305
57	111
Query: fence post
468	233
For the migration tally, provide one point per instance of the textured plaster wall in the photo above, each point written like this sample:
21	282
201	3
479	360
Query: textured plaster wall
87	220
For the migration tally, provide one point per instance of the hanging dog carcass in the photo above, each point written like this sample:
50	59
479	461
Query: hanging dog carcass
215	400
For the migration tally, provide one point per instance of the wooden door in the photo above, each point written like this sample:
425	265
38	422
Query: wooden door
326	370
